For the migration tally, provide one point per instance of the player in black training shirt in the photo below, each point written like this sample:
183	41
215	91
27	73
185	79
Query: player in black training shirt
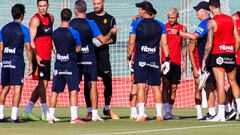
105	22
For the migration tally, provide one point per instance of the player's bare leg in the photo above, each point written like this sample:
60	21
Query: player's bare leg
133	101
158	101
94	100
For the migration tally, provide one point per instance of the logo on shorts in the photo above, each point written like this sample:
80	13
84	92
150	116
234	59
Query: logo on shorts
219	60
22	80
55	72
142	64
41	74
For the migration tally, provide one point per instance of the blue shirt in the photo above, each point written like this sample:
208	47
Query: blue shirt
88	30
148	36
65	40
14	35
202	31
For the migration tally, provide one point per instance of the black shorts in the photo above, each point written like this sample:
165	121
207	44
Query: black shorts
147	72
103	64
174	75
12	72
44	72
238	75
88	71
225	61
66	74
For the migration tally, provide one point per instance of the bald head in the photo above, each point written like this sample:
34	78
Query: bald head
98	6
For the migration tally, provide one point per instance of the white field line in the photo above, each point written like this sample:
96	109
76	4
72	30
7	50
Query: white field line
166	129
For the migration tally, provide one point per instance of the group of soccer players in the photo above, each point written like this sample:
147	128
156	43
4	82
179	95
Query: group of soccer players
80	48
213	50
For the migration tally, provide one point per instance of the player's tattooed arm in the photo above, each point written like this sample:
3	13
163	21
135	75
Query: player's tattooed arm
237	38
209	44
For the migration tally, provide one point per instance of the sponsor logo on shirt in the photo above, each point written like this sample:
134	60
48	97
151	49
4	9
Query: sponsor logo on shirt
9	50
85	49
47	29
62	57
226	48
148	49
199	30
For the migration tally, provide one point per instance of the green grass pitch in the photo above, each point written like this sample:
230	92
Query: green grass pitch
187	125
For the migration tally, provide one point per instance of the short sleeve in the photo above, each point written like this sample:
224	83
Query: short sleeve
202	29
164	31
95	29
133	26
26	33
76	36
0	36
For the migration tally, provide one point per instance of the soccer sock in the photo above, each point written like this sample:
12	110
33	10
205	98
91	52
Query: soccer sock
141	109
44	109
238	104
51	113
89	109
14	114
167	108
74	114
159	109
228	107
221	111
133	111
107	107
199	111
212	111
1	111
29	107
94	112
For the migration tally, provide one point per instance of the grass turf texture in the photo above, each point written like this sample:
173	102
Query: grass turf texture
187	125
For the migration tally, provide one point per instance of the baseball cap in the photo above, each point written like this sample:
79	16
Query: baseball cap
146	5
202	5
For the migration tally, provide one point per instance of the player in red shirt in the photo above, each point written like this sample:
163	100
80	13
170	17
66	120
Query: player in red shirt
223	42
177	44
230	112
41	26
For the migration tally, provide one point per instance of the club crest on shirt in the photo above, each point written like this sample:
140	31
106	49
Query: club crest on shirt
105	21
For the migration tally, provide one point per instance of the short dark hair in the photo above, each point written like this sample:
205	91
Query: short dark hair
42	0
81	6
214	3
18	11
66	14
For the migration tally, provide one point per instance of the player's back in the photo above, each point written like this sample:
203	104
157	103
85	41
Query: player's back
148	36
13	41
83	26
223	37
65	44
